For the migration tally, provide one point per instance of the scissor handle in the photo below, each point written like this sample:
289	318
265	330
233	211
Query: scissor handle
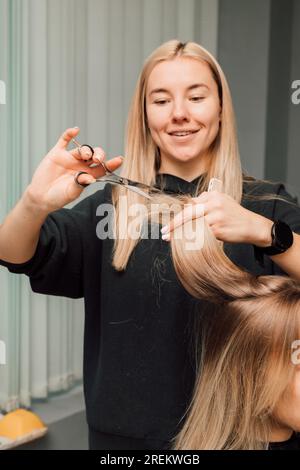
107	170
79	146
88	146
82	185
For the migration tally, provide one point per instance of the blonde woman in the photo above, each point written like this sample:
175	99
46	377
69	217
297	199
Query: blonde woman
139	362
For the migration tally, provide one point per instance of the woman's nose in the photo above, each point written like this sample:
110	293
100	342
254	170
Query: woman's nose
180	112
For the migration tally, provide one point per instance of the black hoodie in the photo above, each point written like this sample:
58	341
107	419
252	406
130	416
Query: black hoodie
138	344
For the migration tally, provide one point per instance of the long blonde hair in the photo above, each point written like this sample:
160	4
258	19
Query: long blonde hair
245	341
143	157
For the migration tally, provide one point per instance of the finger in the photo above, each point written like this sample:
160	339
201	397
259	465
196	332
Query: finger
114	163
209	219
191	211
178	220
72	154
85	178
99	155
86	152
202	198
75	153
99	171
66	137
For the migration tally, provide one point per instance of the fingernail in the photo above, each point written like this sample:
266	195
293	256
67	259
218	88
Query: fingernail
165	229
75	127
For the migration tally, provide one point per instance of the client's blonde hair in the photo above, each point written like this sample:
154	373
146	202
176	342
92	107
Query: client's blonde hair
246	343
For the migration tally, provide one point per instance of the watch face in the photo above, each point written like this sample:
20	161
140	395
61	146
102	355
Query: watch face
283	235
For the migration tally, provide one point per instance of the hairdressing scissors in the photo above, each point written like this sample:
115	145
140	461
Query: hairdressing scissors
111	177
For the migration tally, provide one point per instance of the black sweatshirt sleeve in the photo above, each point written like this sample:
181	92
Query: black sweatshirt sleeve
57	265
288	213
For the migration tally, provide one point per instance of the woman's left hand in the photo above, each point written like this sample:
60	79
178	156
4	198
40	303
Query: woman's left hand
228	220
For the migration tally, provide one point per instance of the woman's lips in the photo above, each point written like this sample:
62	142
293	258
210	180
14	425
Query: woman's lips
183	138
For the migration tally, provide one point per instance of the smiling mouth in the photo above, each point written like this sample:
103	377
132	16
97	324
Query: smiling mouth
183	134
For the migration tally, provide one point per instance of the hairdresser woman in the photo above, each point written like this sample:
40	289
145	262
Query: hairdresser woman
139	363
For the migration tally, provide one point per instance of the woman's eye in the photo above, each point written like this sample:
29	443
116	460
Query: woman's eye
193	98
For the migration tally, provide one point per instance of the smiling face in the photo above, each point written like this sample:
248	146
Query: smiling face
183	112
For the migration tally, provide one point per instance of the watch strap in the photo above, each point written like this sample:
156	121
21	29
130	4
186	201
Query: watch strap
276	248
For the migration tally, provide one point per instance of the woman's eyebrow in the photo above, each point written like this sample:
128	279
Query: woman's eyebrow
191	87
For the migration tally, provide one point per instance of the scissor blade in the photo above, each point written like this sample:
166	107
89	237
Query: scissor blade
137	190
115	179
140	188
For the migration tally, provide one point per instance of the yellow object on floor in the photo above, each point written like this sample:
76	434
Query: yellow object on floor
20	426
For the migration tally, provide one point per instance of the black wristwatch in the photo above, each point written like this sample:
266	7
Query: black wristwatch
282	239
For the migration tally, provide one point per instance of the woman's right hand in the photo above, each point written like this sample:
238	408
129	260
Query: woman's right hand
53	185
